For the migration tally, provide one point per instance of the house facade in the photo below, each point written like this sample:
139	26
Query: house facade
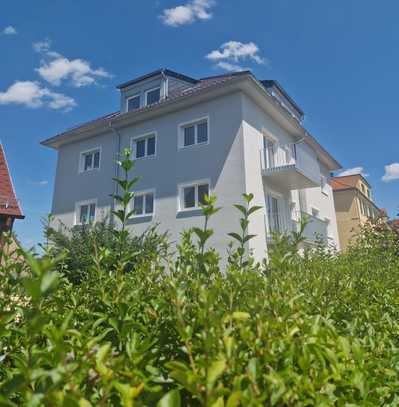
9	205
354	206
223	135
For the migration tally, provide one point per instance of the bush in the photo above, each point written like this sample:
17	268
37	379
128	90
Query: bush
319	329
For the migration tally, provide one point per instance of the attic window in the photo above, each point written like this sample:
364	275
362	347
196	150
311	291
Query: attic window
133	103
152	96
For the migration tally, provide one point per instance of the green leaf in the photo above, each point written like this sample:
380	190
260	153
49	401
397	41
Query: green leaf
235	236
170	399
215	371
242	209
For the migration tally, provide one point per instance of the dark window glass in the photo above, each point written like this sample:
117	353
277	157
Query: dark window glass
88	162
92	213
153	96
189	136
151	146
203	190
133	103
202	132
96	160
149	203
140	148
138	205
189	197
84	211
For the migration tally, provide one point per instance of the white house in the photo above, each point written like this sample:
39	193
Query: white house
224	135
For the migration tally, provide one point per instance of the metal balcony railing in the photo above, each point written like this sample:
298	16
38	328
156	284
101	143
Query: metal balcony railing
293	156
316	229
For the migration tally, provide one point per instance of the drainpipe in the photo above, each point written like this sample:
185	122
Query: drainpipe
118	154
165	85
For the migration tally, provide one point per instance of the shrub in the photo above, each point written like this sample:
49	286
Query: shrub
319	329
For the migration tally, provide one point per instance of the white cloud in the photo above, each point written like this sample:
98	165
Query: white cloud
231	53
188	13
10	30
391	172
41	183
353	171
33	95
55	68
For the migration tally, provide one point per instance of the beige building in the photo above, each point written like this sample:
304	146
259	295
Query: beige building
354	205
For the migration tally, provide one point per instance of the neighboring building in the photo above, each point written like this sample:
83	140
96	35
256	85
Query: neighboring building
224	135
9	206
354	206
394	224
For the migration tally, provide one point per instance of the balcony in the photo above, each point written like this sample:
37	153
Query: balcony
315	230
292	166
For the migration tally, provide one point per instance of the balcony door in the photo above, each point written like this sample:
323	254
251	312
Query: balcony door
274	213
270	147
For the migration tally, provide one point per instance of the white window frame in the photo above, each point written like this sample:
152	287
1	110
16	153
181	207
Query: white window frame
150	90
195	122
145	136
324	186
137	95
180	196
82	160
79	204
315	212
143	193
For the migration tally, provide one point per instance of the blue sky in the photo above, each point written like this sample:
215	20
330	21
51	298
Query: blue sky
62	59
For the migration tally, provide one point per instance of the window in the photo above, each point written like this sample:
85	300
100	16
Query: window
152	96
85	212
324	185
273	213
144	146
143	203
194	133
193	195
133	103
90	160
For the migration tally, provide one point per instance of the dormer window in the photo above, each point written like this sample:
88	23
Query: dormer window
152	96
133	103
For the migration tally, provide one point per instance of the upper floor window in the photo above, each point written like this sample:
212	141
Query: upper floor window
193	133
86	212
324	185
143	203
90	160
133	103
144	146
192	195
152	96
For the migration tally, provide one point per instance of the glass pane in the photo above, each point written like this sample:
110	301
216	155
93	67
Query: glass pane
202	132
138	205
133	103
151	146
92	214
149	203
140	148
189	197
84	211
88	161
96	160
153	96
202	191
189	136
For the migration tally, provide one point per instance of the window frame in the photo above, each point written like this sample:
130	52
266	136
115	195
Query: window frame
323	184
82	160
137	95
151	90
195	122
180	196
145	136
78	206
144	192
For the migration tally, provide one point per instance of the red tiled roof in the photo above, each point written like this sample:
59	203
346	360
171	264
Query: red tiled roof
8	201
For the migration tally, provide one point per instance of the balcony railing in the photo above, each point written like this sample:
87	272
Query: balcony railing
291	165
315	229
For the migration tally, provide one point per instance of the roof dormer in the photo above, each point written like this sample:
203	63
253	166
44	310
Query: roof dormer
152	88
